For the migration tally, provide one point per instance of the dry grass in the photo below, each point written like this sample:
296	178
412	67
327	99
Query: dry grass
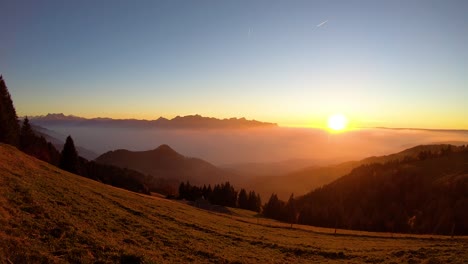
50	216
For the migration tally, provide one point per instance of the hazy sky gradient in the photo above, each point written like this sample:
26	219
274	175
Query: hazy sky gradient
381	63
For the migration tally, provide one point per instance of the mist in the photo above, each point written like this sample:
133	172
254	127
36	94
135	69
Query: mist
262	145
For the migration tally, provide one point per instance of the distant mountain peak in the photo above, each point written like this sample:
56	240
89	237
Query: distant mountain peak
162	119
166	149
55	115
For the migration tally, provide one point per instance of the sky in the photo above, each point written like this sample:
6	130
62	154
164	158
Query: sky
380	63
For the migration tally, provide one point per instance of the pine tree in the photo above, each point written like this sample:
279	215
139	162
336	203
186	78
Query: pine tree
255	203
9	126
243	200
290	210
209	193
258	205
69	157
274	208
27	136
182	192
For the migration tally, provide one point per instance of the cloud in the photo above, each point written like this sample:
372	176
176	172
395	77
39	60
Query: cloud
322	23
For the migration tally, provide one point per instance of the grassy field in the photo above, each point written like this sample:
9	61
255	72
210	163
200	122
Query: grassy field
50	216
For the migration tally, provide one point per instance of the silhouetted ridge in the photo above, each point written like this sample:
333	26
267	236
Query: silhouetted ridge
166	163
165	150
182	122
61	116
423	189
306	179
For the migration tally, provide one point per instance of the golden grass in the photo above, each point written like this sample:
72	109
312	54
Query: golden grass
48	215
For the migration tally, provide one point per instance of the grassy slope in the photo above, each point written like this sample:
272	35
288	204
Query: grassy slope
47	215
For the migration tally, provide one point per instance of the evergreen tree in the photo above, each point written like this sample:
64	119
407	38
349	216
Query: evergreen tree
209	193
274	208
231	195
243	200
27	136
290	210
69	157
36	146
9	126
182	191
258	204
254	201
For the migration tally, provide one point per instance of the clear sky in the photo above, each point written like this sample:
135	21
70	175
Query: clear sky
381	63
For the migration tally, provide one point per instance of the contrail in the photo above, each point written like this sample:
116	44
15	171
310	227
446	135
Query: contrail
323	23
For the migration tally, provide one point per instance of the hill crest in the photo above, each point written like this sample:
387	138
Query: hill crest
164	162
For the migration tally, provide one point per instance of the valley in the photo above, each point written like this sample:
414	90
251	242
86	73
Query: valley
48	215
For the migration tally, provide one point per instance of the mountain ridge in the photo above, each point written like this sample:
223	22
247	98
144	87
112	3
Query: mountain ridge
183	122
165	162
53	137
309	178
424	193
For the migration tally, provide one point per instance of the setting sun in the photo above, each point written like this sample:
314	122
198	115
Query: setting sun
337	122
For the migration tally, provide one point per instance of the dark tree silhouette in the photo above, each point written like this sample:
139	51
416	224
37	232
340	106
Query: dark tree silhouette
209	192
274	208
115	176
255	202
290	210
69	157
36	146
27	136
9	126
243	200
182	190
222	194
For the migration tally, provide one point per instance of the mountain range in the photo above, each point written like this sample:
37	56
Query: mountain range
178	122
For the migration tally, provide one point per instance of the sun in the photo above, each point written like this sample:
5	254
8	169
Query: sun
337	122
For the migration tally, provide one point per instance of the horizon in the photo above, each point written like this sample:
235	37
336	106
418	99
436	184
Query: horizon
381	64
349	128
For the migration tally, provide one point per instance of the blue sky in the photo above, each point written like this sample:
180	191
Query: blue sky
381	63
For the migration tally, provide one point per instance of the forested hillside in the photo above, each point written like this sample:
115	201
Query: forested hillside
423	194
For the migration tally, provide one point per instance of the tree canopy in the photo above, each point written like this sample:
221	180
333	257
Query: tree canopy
9	126
69	156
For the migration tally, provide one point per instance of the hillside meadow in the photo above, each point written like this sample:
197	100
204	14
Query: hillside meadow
51	216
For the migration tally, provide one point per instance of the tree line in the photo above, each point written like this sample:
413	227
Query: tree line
221	194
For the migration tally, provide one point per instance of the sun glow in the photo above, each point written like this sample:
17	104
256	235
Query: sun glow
337	122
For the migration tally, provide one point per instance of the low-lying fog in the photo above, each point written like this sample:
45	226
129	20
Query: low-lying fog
222	147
